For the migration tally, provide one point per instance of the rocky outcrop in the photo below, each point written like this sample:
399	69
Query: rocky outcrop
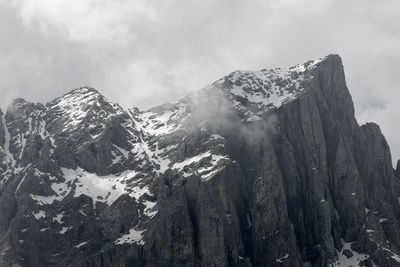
266	168
2	132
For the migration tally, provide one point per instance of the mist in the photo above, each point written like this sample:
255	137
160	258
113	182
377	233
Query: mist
145	53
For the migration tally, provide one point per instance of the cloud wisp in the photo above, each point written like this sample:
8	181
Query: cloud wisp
144	53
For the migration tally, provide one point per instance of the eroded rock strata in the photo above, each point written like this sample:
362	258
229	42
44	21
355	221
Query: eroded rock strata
265	168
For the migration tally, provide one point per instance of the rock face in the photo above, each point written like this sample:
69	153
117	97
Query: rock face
265	168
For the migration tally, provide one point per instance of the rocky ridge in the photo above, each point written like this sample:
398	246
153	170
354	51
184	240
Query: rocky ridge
265	168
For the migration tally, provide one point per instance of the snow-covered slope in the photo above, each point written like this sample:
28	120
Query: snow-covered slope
240	173
255	92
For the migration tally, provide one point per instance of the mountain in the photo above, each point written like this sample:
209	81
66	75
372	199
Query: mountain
264	168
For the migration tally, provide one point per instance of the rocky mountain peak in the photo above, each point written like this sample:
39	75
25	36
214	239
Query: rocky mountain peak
80	102
263	168
19	107
82	114
255	92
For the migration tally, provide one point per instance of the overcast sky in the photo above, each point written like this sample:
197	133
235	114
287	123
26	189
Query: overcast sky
145	52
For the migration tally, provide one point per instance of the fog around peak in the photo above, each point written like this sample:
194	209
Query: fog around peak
145	53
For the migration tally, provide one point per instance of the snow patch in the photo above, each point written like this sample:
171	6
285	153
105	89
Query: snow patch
381	220
216	137
354	260
205	172
134	236
64	230
104	189
280	260
81	244
39	215
164	122
180	165
394	256
124	153
75	106
19	184
58	218
148	210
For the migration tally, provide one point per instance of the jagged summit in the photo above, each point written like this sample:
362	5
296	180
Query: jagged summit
19	107
261	168
84	90
264	88
84	105
81	96
268	88
17	102
254	93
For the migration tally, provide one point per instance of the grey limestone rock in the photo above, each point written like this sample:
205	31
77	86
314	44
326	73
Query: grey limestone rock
264	168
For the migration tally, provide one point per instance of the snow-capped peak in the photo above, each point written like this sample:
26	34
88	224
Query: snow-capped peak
255	92
266	88
84	104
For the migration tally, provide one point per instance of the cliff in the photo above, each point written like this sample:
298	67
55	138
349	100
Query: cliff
265	168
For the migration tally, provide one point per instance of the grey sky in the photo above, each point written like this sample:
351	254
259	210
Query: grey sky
146	52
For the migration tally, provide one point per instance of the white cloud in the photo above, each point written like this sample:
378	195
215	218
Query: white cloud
88	20
143	53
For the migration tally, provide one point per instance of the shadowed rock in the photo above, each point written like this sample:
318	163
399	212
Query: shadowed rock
265	168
